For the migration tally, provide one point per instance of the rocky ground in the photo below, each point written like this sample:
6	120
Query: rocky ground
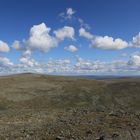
38	107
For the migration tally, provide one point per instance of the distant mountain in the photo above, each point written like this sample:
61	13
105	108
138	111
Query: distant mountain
107	77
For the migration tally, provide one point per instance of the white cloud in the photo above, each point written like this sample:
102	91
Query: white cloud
65	32
84	66
20	45
65	66
4	62
68	15
107	42
134	60
88	66
83	24
136	40
6	66
53	62
41	39
27	53
4	47
103	42
70	12
27	61
16	45
59	66
71	48
84	33
131	66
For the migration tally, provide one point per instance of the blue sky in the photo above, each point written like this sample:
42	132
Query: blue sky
70	36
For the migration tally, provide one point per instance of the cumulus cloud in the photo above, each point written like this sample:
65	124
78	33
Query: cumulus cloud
41	39
65	66
71	48
16	45
132	65
59	66
65	32
6	66
88	66
103	42
26	60
4	62
4	47
20	46
136	40
62	62
85	34
107	42
85	66
134	60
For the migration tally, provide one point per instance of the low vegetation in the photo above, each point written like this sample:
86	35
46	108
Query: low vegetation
39	107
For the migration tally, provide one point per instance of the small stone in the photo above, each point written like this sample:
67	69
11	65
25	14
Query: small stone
133	128
89	132
101	138
58	138
27	136
115	135
112	113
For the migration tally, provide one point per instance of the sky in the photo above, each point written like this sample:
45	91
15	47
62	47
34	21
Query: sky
70	37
